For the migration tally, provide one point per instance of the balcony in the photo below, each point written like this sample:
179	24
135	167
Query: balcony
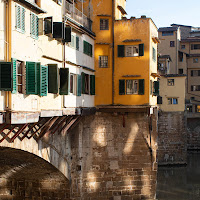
72	12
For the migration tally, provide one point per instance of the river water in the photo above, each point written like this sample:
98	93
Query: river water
180	183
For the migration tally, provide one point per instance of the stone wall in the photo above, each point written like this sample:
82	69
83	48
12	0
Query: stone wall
193	137
114	157
172	138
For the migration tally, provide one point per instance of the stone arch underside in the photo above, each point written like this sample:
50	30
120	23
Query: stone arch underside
26	176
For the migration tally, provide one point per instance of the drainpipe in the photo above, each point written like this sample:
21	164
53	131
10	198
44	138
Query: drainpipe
8	28
113	52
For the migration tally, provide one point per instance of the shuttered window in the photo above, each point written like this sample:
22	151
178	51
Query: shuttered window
87	48
43	83
156	88
6	76
141	87
77	43
79	85
53	78
141	49
14	79
92	84
130	50
48	25
64	81
34	26
121	87
20	18
121	50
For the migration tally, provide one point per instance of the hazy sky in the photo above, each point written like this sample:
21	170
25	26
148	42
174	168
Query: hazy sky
164	13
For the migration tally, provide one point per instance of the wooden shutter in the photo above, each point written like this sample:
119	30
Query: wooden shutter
79	85
156	88
92	84
6	76
68	34
83	82
18	17
141	87
23	19
159	100
14	75
58	30
43	80
121	87
64	81
53	78
84	47
48	25
141	49
77	43
31	78
121	50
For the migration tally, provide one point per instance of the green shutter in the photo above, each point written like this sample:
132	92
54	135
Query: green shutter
79	85
18	17
36	27
121	87
141	87
14	74
91	48
53	78
6	76
156	88
77	43
32	28
92	84
23	20
31	78
64	81
84	47
83	82
141	49
121	50
38	72
43	80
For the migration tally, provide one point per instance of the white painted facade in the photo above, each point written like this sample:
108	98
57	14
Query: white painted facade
26	48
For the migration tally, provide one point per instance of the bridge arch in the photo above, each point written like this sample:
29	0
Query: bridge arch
24	175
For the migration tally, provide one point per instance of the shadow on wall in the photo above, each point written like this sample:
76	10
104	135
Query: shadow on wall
26	176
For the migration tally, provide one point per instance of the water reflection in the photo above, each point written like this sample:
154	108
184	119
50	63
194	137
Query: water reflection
180	183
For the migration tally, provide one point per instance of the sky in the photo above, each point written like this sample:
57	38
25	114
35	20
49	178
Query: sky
164	13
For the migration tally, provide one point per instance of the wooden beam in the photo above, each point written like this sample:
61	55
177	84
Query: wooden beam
26	133
18	132
6	135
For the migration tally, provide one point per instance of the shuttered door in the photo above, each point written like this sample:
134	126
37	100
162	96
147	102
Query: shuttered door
53	78
141	87
6	76
121	51
79	85
64	81
14	78
43	80
121	87
92	84
31	78
83	82
141	49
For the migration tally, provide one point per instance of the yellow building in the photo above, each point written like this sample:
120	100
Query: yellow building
125	55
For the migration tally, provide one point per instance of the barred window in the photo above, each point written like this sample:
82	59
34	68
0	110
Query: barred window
104	24
103	61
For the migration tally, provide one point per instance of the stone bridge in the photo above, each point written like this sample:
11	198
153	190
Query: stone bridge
108	155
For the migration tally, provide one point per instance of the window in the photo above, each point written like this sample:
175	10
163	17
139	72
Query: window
167	33
20	18
183	46
180	56
195	46
195	72
180	71
131	51
154	54
72	43
170	82
85	83
159	100
195	60
131	86
34	26
104	24
172	101
77	43
87	48
189	108
20	76
103	61
172	44
73	81
195	87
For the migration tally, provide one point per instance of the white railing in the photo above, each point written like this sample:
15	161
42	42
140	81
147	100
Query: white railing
77	15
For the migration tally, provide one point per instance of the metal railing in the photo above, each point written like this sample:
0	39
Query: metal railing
77	15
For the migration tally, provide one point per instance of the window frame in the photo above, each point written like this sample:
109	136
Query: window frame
193	46
170	82
172	43
103	61
195	60
170	100
167	33
73	86
132	53
137	85
104	24
183	46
